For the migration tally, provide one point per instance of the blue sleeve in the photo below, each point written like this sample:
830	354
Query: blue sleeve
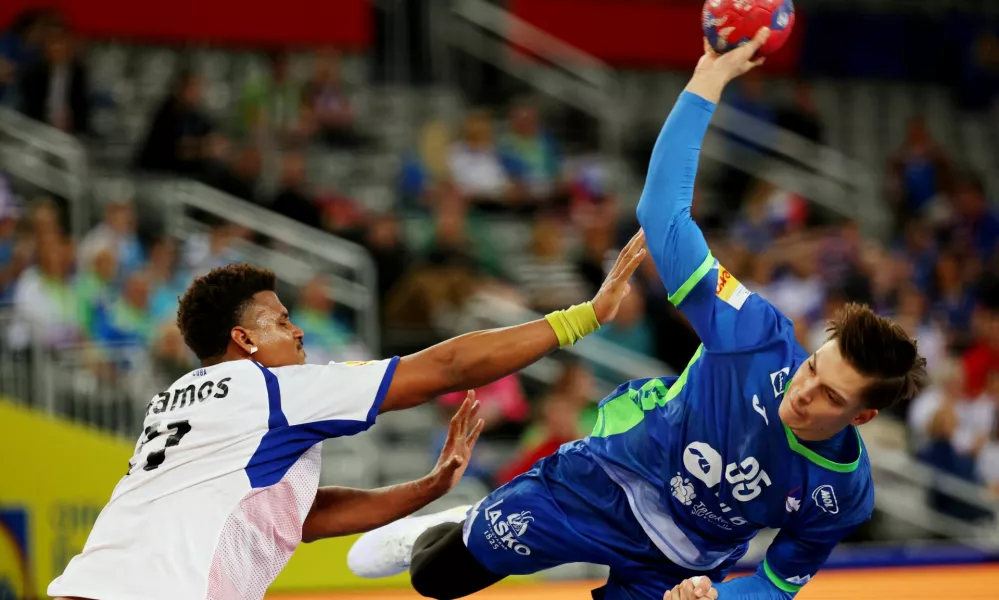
754	587
792	560
725	314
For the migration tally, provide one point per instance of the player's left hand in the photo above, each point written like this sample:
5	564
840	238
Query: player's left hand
688	591
615	286
462	434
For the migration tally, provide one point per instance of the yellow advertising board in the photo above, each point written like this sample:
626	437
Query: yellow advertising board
57	476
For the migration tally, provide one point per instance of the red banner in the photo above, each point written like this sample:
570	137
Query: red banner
340	23
637	33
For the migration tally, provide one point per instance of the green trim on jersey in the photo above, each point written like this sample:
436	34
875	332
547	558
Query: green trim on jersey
682	380
618	415
622	413
780	583
678	297
821	461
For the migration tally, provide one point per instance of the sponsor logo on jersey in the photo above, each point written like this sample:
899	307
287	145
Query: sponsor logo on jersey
702	510
779	381
760	409
358	363
792	502
825	498
703	462
730	290
683	490
799	579
504	532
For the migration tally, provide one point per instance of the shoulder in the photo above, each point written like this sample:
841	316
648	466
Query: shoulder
291	372
636	386
339	371
840	501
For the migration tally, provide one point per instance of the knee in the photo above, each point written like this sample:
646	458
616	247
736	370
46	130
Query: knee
427	578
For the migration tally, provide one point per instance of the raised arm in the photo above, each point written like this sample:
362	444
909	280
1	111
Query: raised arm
475	359
725	314
669	184
339	511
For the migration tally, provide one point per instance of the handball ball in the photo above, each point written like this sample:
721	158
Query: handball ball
730	23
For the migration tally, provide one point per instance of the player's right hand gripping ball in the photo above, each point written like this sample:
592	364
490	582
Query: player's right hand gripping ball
730	23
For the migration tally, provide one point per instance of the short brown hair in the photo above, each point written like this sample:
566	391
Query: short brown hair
214	304
881	350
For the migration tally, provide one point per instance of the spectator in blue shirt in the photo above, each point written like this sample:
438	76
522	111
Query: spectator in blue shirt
976	224
917	173
530	155
20	46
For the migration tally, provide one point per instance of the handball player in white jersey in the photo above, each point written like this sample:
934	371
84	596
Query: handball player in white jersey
223	485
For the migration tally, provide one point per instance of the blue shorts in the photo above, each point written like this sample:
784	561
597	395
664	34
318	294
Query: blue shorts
566	510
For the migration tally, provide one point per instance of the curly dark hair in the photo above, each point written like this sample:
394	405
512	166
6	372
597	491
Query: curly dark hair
880	349
214	304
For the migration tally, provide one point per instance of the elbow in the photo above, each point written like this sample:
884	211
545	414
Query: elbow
657	214
444	369
309	532
657	208
642	211
646	211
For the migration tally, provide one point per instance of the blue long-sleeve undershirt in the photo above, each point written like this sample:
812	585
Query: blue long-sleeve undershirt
674	240
754	587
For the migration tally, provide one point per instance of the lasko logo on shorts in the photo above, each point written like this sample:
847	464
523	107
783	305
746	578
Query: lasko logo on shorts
730	290
505	532
825	498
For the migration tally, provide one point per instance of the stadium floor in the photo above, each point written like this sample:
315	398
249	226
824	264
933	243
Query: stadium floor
957	582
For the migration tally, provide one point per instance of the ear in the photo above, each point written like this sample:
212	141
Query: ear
241	337
864	416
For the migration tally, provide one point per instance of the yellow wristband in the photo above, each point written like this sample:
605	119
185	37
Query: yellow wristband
574	323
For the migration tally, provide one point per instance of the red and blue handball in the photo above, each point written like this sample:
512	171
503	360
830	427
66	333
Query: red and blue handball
730	23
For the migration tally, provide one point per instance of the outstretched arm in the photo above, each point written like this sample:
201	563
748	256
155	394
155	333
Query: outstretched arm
339	511
475	359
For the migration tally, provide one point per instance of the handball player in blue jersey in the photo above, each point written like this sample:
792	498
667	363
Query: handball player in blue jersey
680	473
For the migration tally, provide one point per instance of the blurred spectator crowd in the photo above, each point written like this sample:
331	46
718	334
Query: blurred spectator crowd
114	291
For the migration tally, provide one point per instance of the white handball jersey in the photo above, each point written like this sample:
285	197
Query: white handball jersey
222	479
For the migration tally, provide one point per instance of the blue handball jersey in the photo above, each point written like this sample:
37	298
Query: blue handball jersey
704	458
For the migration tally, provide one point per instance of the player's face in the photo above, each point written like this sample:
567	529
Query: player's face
269	328
824	396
